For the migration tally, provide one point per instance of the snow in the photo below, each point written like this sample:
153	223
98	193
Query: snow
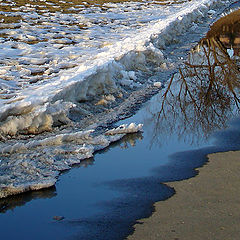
132	127
52	62
37	163
71	64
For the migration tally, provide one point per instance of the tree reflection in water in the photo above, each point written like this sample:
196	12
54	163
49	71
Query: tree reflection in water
10	203
204	94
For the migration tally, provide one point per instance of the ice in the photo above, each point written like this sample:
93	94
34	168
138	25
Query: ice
42	160
59	68
158	84
120	23
211	12
230	52
28	118
131	128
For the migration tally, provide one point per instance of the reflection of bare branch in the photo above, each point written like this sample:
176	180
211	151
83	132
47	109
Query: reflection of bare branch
164	96
206	96
11	203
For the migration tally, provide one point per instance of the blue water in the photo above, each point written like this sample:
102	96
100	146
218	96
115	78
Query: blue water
116	187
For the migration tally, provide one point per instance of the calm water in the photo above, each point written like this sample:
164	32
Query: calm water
102	197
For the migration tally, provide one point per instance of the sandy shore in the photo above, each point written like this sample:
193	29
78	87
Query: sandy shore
204	207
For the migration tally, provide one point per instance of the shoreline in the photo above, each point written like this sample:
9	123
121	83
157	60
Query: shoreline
204	207
94	105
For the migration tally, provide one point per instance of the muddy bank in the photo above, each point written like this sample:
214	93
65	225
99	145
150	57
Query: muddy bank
203	207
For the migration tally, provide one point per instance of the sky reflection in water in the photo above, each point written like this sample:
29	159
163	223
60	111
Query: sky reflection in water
204	94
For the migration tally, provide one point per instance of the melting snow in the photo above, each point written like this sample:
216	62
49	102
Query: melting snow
53	62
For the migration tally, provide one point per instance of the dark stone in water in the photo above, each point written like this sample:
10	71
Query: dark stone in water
58	218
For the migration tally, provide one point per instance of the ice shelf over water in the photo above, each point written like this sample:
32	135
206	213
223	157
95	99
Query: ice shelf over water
36	164
68	64
53	63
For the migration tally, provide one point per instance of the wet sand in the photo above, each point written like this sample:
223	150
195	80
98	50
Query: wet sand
204	207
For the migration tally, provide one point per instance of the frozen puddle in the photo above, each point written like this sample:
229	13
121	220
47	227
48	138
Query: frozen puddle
62	72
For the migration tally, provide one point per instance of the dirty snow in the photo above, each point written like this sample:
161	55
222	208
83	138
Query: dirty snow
57	67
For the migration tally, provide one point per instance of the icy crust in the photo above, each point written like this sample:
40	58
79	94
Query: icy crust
37	164
125	63
34	119
34	162
124	129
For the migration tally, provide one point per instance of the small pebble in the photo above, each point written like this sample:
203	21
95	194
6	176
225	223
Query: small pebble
58	218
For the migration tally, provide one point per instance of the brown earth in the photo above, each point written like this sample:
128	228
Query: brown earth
204	207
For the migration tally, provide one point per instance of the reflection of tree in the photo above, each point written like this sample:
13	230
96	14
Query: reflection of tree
126	142
130	140
203	95
10	203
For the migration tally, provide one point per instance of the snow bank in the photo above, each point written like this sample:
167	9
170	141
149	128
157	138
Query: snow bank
34	119
37	164
107	70
34	162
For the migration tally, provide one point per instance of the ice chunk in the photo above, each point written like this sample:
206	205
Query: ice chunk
211	12
157	84
123	129
36	164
